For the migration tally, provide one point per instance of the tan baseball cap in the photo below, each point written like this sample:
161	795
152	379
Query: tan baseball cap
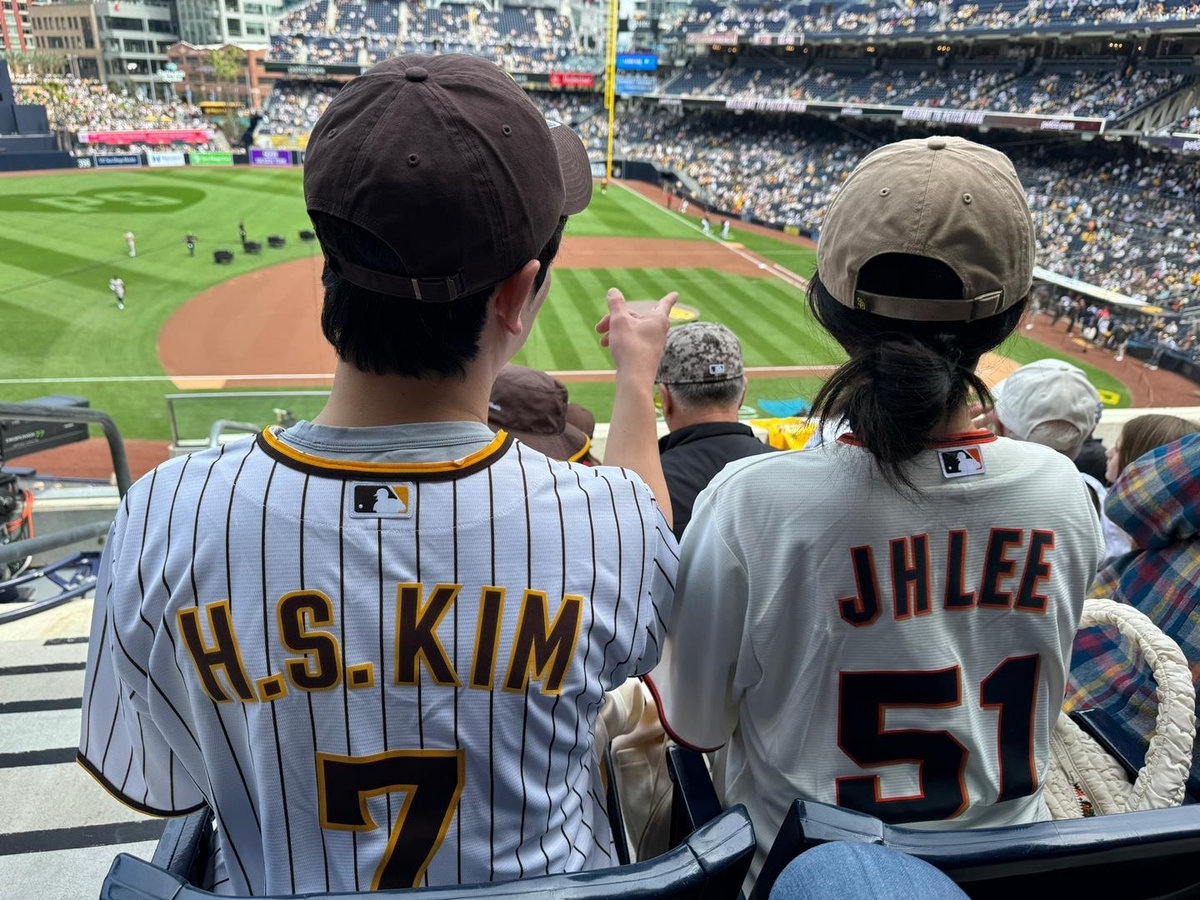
943	198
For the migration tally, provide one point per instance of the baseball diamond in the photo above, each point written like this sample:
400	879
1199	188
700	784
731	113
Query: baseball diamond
493	445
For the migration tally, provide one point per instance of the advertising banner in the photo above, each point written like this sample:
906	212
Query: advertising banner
210	158
1186	143
156	136
716	39
305	70
156	158
635	85
637	62
933	114
577	80
270	157
117	160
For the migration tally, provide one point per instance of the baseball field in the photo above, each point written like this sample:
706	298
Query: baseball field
191	325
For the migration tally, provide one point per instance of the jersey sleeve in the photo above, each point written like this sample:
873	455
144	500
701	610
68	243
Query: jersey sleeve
664	569
696	684
120	743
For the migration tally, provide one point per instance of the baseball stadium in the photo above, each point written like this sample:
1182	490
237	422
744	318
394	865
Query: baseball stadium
170	281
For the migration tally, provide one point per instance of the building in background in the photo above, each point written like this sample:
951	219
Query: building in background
70	29
245	23
248	85
14	26
134	37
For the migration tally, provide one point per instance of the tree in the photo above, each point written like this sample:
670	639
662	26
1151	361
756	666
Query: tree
227	65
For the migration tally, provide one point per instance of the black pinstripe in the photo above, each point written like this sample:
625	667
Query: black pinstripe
312	721
457	745
142	552
637	613
492	701
525	700
167	588
287	822
562	532
342	618
383	681
579	748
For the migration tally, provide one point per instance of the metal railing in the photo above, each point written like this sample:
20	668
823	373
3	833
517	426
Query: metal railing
29	413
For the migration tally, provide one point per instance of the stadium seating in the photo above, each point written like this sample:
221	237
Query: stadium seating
709	865
1136	855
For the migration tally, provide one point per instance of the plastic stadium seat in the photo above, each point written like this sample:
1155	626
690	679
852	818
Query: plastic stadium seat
1131	856
709	865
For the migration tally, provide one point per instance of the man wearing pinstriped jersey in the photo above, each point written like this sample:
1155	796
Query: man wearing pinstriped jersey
376	643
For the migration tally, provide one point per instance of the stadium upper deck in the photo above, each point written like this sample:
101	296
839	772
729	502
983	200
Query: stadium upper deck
362	32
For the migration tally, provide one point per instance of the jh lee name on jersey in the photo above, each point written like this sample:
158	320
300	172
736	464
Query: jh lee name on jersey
1015	567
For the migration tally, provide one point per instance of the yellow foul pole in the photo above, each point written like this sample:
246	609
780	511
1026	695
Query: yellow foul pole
610	82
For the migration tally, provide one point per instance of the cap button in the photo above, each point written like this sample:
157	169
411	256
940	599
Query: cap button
416	73
934	143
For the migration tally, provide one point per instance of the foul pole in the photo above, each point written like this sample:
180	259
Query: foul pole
610	82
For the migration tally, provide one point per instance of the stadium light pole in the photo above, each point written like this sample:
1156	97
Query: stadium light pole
610	82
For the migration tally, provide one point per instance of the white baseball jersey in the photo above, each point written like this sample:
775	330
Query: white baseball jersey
901	656
377	675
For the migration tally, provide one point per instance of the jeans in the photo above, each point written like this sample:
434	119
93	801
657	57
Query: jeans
850	871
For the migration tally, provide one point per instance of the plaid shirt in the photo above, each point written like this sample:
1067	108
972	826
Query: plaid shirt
1157	502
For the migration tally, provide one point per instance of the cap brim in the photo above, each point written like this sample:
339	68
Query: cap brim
575	166
570	446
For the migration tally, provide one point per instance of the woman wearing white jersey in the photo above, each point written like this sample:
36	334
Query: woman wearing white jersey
884	622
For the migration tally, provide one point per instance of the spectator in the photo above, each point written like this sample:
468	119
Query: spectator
817	589
1092	460
460	508
1142	434
532	407
1156	500
702	384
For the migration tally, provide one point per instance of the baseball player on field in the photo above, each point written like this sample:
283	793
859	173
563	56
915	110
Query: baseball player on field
129	242
375	643
117	286
885	622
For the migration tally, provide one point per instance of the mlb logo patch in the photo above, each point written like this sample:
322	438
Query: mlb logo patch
372	500
716	369
961	462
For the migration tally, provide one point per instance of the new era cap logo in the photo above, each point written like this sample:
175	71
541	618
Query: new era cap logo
374	500
961	462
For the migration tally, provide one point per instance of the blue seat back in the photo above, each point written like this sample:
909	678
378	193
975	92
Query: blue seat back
1131	856
709	865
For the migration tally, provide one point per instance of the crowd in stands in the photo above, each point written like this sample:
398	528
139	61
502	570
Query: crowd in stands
75	104
363	32
903	17
1128	225
1106	94
293	109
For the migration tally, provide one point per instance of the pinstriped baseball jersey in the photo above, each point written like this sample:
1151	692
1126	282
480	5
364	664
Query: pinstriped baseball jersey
378	675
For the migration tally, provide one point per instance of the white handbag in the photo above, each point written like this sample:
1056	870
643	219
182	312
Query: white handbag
1083	779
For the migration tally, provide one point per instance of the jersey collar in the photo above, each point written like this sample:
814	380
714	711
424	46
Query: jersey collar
269	442
960	439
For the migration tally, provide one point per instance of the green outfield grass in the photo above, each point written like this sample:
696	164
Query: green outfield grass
61	242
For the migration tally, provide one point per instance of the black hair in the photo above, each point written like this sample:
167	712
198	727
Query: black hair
706	394
903	377
388	335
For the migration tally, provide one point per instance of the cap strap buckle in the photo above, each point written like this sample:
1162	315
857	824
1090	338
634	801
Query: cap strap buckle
433	289
920	310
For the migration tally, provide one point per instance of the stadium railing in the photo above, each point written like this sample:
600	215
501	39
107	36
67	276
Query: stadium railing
709	865
1133	856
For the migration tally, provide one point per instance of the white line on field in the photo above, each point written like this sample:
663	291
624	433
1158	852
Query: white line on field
182	379
785	275
566	374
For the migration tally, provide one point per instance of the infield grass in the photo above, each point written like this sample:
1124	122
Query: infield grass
61	241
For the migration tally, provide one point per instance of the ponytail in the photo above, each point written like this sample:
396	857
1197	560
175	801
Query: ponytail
903	378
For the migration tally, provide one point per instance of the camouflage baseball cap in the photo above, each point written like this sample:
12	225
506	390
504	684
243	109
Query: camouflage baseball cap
700	353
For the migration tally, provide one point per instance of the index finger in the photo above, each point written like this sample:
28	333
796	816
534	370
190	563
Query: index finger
616	302
666	303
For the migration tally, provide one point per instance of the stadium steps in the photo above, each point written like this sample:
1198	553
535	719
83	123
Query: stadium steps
60	830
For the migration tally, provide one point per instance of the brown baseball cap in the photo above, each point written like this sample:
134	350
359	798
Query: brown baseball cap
532	406
943	198
447	162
